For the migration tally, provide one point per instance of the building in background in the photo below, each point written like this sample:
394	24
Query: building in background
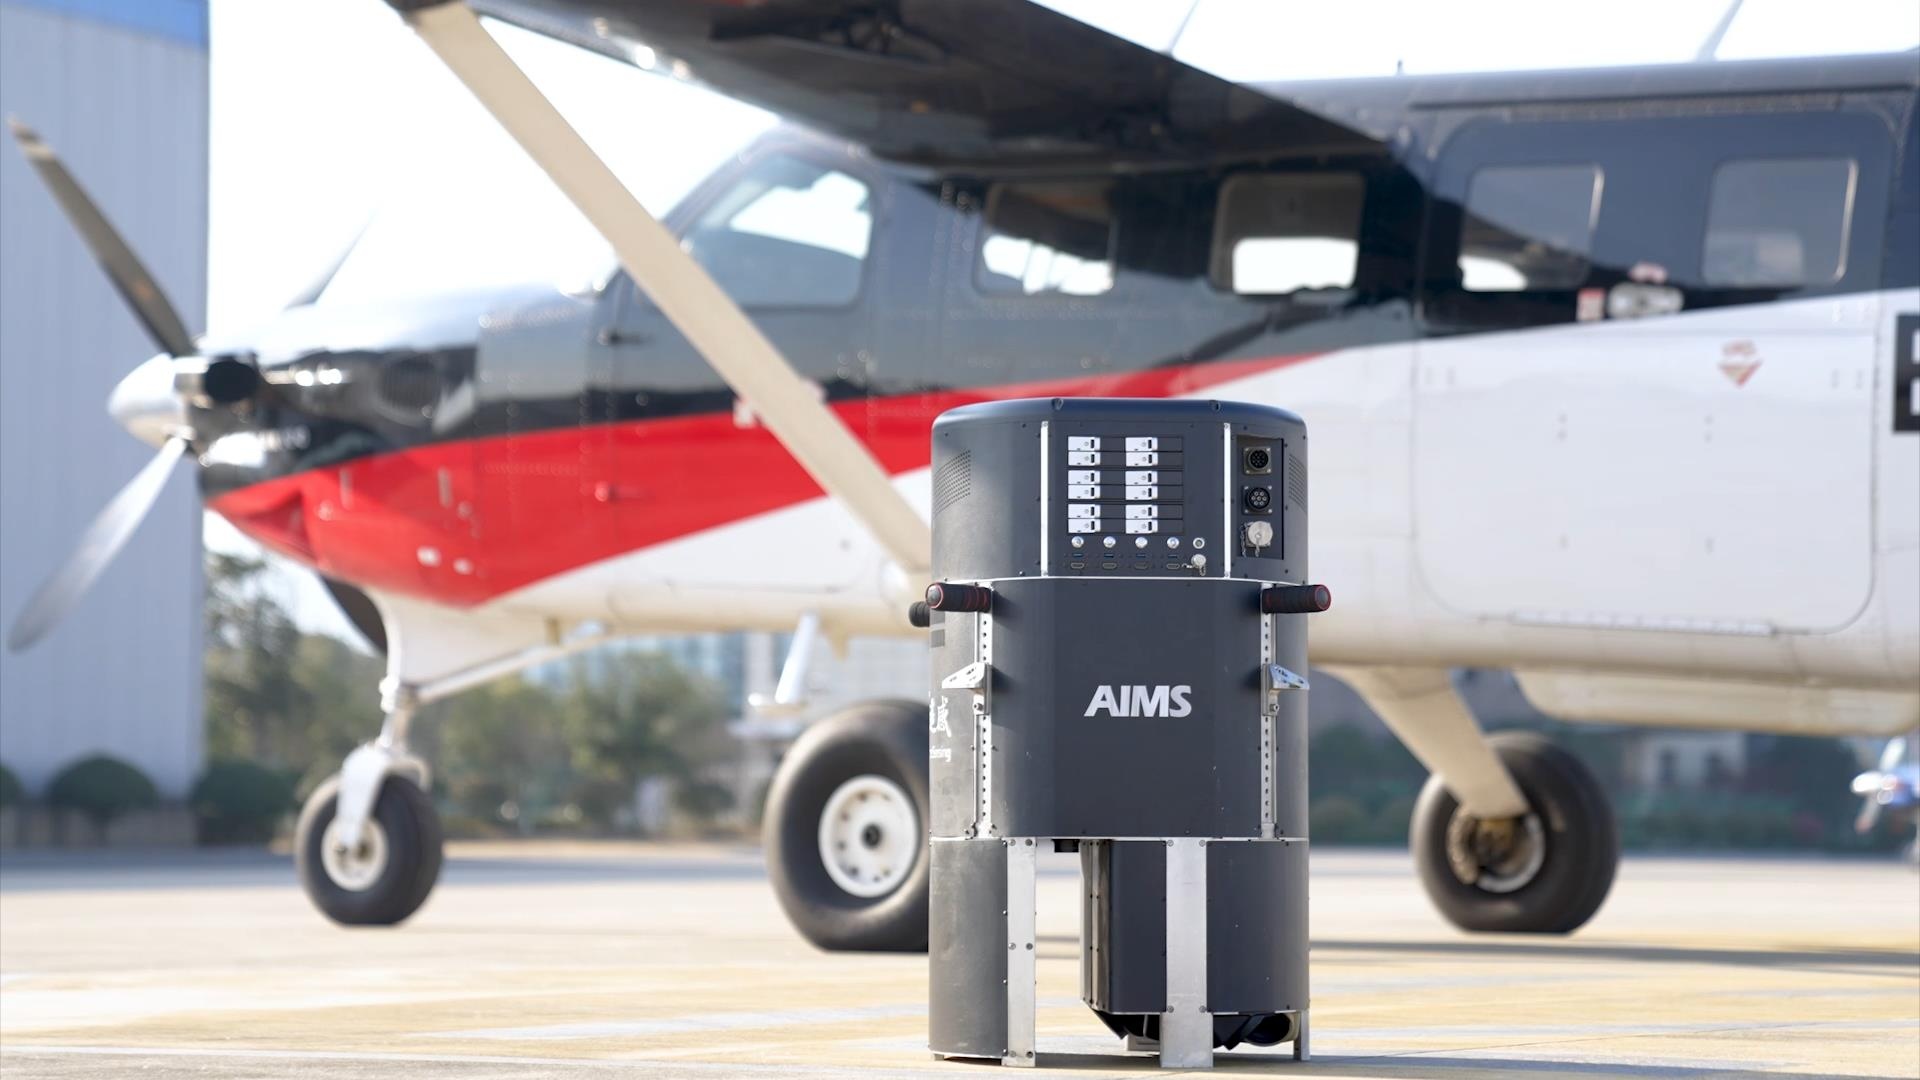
119	88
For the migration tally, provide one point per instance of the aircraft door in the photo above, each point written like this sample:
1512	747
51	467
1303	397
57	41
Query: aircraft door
703	495
1645	398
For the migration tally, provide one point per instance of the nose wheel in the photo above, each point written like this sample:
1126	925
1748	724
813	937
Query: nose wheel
1546	871
384	875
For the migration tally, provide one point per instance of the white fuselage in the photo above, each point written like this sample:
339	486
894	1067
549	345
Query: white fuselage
1705	518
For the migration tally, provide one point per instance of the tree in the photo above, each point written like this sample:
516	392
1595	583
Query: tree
103	788
251	691
1813	776
503	758
276	696
342	700
640	716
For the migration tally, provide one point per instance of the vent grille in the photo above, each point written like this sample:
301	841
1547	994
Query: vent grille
1296	482
955	481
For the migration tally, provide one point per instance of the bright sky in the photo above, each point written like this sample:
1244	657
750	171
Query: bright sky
328	113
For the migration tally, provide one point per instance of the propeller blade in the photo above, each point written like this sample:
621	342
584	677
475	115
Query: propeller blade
1891	754
128	275
1869	816
98	545
311	292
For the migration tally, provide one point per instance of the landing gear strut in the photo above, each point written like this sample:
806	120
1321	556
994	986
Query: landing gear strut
1546	871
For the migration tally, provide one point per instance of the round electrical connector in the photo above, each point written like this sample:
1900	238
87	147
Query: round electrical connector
1259	459
1258	500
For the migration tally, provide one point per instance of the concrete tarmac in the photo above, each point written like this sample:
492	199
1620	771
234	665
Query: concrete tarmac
549	960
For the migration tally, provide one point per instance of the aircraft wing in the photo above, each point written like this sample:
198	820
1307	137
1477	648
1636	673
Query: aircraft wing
943	82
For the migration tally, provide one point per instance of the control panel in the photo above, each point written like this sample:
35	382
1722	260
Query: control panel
1126	502
1110	488
1133	499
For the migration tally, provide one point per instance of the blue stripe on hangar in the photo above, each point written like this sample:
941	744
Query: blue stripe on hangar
184	21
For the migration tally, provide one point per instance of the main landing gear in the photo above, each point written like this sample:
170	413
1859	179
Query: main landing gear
1511	833
846	821
846	825
1545	871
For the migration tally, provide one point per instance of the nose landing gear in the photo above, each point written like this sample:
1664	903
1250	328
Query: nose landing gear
384	875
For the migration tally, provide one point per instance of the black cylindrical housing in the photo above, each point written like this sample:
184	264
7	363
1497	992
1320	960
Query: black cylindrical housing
1118	583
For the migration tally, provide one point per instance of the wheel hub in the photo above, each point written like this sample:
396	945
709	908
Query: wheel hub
1498	855
357	867
869	836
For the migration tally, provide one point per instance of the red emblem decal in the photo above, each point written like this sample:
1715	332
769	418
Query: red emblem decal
1739	360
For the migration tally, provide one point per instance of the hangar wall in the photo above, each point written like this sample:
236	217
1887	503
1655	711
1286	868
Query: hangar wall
119	88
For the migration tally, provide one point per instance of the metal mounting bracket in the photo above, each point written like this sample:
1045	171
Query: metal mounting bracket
1274	680
971	677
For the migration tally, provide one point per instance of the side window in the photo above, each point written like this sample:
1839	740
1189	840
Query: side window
1054	238
1282	233
1529	227
1779	222
790	233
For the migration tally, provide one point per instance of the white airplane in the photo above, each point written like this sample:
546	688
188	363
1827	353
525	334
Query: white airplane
1611	377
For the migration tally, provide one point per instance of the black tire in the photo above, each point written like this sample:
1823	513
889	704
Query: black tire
413	842
1582	845
885	738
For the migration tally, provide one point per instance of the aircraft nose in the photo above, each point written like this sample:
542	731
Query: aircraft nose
146	404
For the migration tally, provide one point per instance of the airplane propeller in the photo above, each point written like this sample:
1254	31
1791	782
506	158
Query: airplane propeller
132	402
1876	787
151	401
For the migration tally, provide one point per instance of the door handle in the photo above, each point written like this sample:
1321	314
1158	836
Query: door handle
611	336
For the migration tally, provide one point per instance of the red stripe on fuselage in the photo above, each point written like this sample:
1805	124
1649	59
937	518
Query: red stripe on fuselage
465	521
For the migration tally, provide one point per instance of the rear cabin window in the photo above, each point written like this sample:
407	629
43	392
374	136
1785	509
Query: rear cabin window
1047	239
1778	222
1529	227
789	233
1286	233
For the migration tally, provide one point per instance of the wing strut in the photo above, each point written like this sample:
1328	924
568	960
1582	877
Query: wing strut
789	405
